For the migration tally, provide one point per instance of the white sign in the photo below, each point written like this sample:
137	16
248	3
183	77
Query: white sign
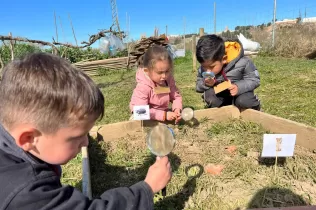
141	112
281	145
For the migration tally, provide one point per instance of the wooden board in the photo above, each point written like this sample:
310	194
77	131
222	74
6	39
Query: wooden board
306	135
217	114
118	130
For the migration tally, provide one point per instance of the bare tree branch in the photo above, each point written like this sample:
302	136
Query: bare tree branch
92	40
20	39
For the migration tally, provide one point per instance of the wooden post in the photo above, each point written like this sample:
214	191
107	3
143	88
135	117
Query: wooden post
1	62
201	32
11	47
194	52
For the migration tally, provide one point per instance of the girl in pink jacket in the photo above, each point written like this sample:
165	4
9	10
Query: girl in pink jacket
156	86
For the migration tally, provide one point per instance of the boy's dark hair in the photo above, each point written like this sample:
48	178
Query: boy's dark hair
48	92
154	54
210	47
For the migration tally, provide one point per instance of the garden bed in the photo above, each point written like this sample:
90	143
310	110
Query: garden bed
246	181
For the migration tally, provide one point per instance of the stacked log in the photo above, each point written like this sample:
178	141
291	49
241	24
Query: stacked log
139	49
91	67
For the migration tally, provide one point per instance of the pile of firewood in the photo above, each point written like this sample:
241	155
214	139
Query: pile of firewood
136	52
139	49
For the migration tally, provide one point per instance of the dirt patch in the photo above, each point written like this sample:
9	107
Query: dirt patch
245	182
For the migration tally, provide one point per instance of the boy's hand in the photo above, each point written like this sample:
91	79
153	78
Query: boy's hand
159	174
233	90
209	82
171	116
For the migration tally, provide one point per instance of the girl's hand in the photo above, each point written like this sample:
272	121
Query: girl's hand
178	113
171	116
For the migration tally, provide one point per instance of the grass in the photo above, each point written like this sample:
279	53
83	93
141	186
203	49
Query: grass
287	89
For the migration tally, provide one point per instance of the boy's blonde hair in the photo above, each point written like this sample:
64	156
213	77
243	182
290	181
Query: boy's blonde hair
47	91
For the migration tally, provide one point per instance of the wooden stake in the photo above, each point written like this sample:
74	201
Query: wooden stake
276	164
142	128
194	52
1	61
56	26
277	149
73	31
201	32
62	29
11	47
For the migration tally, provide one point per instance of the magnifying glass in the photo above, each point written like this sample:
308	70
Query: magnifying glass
187	114
161	141
207	74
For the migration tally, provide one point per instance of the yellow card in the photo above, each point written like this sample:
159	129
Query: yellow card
161	90
222	86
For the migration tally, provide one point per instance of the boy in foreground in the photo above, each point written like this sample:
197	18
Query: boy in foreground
47	108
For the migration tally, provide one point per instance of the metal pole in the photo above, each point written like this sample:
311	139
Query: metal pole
214	17
166	30
273	29
184	32
129	26
126	29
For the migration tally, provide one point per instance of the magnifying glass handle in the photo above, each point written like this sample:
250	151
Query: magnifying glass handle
164	191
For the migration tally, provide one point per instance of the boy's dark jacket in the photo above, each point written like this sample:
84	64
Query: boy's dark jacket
240	70
28	183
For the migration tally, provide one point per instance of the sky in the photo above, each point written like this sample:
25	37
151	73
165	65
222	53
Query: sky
34	19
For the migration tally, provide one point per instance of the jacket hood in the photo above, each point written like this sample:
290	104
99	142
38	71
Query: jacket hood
141	77
234	51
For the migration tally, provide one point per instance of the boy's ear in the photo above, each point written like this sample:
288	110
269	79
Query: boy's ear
27	138
224	60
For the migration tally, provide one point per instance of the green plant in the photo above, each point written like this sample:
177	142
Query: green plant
72	54
20	49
